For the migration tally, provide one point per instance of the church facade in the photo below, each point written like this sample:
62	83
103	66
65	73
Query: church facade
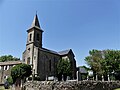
44	61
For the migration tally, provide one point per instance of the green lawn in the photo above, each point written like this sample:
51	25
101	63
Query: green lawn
2	88
117	89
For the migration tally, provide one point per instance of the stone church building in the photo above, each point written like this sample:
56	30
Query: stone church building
44	61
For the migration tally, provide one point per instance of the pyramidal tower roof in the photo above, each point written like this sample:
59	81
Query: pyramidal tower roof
35	22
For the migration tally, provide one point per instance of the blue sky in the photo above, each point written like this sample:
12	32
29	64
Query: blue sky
82	25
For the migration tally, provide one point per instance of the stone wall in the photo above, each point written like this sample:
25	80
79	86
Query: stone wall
71	85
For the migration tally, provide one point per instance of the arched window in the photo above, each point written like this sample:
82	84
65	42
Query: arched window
24	60
54	62
38	37
8	67
30	37
5	67
28	60
50	65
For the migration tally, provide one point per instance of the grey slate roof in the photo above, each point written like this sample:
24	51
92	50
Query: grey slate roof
49	51
35	22
82	70
64	52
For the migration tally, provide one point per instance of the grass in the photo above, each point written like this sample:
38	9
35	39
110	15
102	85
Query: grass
117	89
2	88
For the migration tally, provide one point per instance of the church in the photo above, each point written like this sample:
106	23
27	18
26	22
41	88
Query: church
44	61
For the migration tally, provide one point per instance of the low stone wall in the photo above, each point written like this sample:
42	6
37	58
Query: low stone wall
71	85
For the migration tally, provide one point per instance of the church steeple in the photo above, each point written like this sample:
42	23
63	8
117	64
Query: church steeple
35	33
35	22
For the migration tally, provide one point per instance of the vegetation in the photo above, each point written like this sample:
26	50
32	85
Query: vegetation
8	58
117	89
86	68
104	62
64	68
20	71
84	74
10	80
3	88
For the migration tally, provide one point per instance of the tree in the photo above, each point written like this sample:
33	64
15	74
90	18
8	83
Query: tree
112	58
94	60
8	58
21	71
64	68
104	62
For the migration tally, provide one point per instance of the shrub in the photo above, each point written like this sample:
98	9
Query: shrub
10	80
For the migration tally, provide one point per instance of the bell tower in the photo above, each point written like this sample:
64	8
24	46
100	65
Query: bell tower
35	33
34	42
